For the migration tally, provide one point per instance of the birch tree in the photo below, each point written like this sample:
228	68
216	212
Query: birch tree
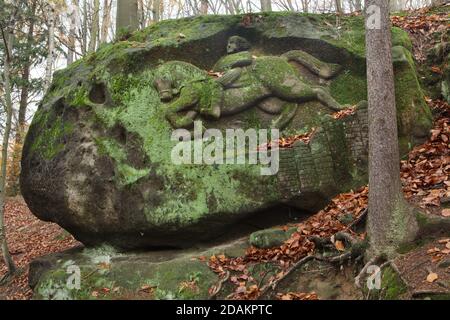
106	21
51	45
7	33
72	32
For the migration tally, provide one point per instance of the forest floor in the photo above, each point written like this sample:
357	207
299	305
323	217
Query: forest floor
28	238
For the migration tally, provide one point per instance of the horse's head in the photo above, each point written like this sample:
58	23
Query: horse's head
164	87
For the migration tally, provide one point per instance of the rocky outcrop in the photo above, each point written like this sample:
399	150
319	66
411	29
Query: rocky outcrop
98	157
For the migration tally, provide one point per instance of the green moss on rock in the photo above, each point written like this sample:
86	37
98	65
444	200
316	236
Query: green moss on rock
108	103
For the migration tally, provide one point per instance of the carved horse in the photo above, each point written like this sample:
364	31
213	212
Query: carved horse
267	77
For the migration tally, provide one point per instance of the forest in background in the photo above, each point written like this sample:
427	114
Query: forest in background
43	36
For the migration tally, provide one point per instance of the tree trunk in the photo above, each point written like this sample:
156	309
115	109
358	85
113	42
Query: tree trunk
72	33
266	5
8	114
84	28
338	6
305	6
106	21
204	7
436	3
94	26
358	5
391	221
51	46
13	183
156	10
127	16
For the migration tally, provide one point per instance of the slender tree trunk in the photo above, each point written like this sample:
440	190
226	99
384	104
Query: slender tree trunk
127	16
390	221
204	7
156	10
141	14
436	3
51	46
94	26
338	6
106	21
358	5
8	114
13	183
305	6
84	29
72	32
266	5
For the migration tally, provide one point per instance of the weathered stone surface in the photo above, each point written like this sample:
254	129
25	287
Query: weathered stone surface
270	238
107	274
97	157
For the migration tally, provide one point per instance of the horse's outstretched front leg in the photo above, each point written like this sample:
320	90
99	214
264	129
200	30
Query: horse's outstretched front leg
327	99
188	98
322	69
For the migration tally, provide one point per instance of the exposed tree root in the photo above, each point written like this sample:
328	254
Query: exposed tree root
5	279
394	267
273	285
8	277
421	293
428	225
362	217
218	288
353	252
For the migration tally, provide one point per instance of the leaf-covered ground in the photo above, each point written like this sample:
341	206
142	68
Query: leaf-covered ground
426	183
28	238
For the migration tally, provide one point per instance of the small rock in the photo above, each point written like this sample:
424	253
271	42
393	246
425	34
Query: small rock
270	238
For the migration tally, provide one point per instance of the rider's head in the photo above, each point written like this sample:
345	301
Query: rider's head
237	44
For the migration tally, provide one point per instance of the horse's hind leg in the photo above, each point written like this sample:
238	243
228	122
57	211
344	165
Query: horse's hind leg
327	99
293	89
322	69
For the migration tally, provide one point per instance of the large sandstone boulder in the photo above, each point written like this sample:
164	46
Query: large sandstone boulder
97	157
